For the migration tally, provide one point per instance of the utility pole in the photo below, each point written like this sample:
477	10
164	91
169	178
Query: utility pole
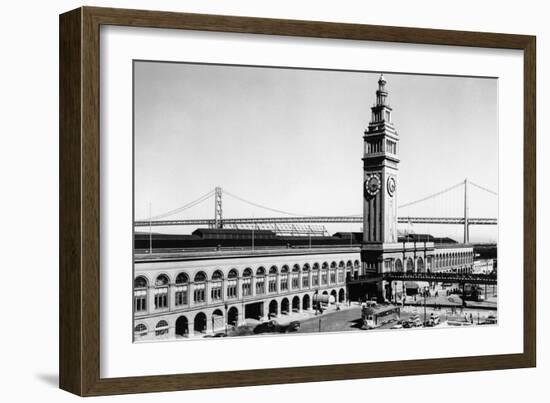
253	226
150	231
466	229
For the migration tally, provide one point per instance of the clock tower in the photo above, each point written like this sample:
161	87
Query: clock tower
380	167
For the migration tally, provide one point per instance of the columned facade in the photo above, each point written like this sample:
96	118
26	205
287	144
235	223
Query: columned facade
175	298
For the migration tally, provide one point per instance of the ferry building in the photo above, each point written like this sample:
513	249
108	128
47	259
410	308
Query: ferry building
215	278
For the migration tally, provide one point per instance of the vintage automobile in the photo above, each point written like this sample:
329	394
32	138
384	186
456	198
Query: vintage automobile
293	326
272	326
433	320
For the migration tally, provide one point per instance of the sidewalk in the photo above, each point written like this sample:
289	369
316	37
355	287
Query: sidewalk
308	314
450	301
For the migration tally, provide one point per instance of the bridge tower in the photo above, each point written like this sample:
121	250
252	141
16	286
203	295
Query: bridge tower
380	169
466	213
218	212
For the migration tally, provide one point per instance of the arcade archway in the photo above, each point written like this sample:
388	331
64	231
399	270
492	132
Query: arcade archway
273	308
182	326
285	306
200	322
295	304
232	316
306	302
341	295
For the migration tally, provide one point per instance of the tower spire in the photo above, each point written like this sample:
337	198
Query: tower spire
381	111
381	93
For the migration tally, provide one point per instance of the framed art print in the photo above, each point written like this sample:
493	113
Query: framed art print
250	201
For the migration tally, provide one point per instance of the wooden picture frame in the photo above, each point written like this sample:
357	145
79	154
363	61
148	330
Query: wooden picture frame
79	347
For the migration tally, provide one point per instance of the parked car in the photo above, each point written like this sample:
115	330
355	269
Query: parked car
433	320
416	323
490	320
293	326
271	326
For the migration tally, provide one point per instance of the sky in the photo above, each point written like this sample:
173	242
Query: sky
291	139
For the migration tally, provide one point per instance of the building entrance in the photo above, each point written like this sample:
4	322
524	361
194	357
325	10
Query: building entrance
254	310
363	291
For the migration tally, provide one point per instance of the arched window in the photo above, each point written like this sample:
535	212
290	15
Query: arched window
232	277
140	294
333	273
324	274
161	291
272	279
247	282
398	265
182	289
162	280
216	286
140	331
341	268
284	278
260	281
315	275
161	328
295	277
410	265
182	278
305	276
140	282
199	288
420	265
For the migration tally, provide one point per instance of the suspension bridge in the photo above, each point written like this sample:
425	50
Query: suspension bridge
294	220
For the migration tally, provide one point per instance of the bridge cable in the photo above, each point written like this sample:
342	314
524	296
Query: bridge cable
461	183
182	208
264	207
483	188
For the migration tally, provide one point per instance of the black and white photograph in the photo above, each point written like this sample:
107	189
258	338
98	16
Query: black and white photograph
273	201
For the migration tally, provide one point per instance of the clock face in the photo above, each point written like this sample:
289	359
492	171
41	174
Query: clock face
391	185
372	184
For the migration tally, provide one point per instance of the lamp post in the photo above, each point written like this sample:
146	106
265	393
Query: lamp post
225	306
425	292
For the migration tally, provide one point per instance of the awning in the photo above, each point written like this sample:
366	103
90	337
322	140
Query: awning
416	284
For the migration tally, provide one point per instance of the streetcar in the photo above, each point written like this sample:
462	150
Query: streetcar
375	315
